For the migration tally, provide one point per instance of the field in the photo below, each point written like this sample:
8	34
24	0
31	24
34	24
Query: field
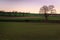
51	19
29	31
29	18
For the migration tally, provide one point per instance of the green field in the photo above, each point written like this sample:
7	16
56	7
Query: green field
29	31
30	18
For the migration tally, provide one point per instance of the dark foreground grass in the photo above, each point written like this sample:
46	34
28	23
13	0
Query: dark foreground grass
29	31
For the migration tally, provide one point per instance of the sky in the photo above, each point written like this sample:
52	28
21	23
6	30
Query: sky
31	6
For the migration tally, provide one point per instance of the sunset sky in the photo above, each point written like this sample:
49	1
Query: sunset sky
32	6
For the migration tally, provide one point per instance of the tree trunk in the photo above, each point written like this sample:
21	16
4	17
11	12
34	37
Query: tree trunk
46	17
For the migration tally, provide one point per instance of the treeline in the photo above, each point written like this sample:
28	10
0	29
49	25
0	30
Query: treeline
21	14
3	13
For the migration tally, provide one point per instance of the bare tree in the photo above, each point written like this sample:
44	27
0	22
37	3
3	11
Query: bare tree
53	11
51	8
41	10
45	9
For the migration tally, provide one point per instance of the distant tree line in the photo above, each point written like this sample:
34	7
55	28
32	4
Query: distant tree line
19	14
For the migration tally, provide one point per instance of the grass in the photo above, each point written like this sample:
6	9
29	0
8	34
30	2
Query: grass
21	18
31	18
29	31
54	17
